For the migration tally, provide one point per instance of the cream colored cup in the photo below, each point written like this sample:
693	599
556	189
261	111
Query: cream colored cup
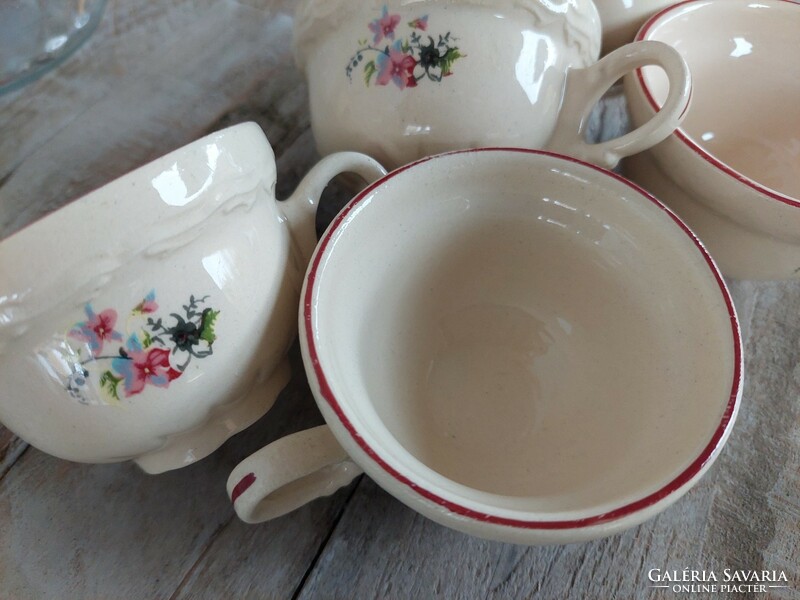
732	171
150	320
402	80
513	343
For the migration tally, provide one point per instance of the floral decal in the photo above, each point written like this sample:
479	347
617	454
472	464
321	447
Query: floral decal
407	61
97	329
152	353
384	27
396	67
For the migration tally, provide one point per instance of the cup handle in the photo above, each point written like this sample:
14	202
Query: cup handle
301	207
289	473
584	87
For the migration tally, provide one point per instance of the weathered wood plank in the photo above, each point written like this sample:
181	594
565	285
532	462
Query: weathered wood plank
11	448
166	83
110	531
266	562
383	549
38	112
755	518
87	531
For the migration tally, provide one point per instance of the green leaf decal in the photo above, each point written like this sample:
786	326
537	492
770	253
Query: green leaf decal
451	56
109	384
369	70
207	324
147	341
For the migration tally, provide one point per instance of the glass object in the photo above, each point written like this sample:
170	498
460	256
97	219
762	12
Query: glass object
38	35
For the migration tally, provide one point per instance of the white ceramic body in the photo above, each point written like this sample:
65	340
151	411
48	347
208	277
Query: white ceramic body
512	356
731	170
522	74
621	19
77	289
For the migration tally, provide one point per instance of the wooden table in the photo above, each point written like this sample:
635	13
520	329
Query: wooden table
158	74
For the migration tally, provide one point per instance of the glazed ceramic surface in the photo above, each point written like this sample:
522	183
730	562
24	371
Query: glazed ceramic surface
621	19
402	80
733	168
149	320
528	349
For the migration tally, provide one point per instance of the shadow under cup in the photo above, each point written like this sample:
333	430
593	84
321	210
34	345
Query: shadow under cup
522	327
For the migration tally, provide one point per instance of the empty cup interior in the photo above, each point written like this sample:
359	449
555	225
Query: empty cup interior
526	327
746	83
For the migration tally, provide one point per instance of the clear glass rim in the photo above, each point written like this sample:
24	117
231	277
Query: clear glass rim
13	81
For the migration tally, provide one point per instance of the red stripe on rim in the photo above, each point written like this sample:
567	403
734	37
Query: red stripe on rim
690	472
683	136
243	485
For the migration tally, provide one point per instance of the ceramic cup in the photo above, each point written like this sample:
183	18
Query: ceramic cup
731	171
150	319
621	19
402	80
527	348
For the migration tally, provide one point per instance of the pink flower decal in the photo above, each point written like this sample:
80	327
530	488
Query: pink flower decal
384	26
155	353
97	329
396	67
420	23
139	367
408	59
148	305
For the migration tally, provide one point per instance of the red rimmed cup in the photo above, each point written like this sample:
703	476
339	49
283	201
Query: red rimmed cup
515	344
731	169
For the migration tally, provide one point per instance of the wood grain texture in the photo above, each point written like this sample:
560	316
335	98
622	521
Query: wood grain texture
111	531
151	81
11	448
159	74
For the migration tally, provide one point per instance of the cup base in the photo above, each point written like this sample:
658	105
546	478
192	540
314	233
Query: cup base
191	446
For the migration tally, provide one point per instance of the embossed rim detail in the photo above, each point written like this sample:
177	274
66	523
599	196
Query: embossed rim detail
684	137
676	484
